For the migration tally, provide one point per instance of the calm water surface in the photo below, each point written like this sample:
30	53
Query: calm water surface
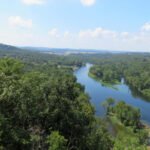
99	93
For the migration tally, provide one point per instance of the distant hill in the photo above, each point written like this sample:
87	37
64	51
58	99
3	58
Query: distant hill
66	51
56	51
8	47
24	54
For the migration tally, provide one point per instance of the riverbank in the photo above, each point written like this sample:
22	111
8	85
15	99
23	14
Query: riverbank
126	134
118	127
111	85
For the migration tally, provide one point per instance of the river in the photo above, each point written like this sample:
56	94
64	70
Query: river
98	93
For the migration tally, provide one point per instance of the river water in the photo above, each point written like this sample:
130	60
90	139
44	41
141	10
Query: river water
98	93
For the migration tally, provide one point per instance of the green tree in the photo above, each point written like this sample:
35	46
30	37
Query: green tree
107	104
129	143
56	141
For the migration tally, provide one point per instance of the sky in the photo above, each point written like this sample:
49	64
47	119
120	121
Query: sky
80	24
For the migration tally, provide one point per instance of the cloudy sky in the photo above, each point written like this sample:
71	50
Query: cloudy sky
92	24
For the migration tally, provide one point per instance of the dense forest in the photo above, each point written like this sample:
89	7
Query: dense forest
43	107
46	110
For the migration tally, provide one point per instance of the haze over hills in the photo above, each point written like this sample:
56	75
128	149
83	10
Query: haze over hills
8	47
57	51
66	51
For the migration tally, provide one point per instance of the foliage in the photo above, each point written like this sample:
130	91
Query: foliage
128	115
107	104
99	139
56	141
41	104
130	133
123	142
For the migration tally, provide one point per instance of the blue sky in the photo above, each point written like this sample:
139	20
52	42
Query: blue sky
92	24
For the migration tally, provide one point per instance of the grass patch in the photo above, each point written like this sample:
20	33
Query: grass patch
125	135
119	127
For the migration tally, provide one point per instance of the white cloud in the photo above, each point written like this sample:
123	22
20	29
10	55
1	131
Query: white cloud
20	22
98	33
88	2
97	38
126	35
85	33
67	34
146	27
33	2
54	33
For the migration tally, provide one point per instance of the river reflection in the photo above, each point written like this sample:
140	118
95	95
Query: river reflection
98	93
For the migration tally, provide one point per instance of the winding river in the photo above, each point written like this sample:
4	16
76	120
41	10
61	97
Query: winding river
98	93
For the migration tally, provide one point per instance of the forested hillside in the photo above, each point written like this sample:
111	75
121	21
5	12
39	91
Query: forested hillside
34	57
46	110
